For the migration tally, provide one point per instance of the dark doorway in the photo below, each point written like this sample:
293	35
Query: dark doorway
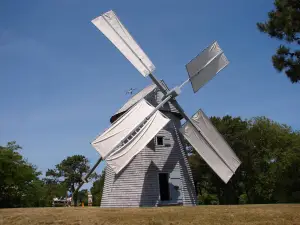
164	186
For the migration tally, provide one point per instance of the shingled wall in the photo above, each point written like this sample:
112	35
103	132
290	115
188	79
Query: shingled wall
137	184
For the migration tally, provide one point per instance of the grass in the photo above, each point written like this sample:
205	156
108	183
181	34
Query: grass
248	214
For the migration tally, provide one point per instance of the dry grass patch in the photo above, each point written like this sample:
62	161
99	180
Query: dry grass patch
248	214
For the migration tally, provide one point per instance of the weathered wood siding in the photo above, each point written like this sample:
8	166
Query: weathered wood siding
137	184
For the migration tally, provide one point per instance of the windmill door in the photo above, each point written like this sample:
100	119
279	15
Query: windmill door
175	185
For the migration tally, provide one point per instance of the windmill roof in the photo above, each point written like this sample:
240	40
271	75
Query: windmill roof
134	99
143	94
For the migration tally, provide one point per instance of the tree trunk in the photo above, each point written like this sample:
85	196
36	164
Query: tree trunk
74	195
219	196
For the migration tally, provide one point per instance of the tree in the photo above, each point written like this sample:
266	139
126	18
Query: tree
97	189
277	151
53	188
269	152
19	182
35	195
70	172
284	24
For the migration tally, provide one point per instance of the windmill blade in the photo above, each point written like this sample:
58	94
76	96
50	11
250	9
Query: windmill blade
107	143
211	146
112	137
110	25
119	159
206	65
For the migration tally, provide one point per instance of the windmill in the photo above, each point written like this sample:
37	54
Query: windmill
143	148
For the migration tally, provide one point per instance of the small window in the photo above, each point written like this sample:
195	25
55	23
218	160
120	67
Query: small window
160	140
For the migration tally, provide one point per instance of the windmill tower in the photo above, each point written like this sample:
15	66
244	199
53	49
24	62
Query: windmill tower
160	173
146	160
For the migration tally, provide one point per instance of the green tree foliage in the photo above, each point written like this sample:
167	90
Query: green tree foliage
284	24
53	188
270	153
19	182
97	189
69	172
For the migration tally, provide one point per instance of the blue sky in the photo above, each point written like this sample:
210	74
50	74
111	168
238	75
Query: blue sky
61	79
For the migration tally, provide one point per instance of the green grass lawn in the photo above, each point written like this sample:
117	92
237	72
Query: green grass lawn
248	214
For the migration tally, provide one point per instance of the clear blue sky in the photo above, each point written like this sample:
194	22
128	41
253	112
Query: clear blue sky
61	79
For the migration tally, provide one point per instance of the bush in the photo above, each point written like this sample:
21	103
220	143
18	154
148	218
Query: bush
208	199
243	199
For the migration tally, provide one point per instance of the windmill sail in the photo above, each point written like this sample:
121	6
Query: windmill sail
106	143
123	156
110	25
206	65
217	154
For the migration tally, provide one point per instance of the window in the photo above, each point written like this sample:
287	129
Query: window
164	186
160	140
